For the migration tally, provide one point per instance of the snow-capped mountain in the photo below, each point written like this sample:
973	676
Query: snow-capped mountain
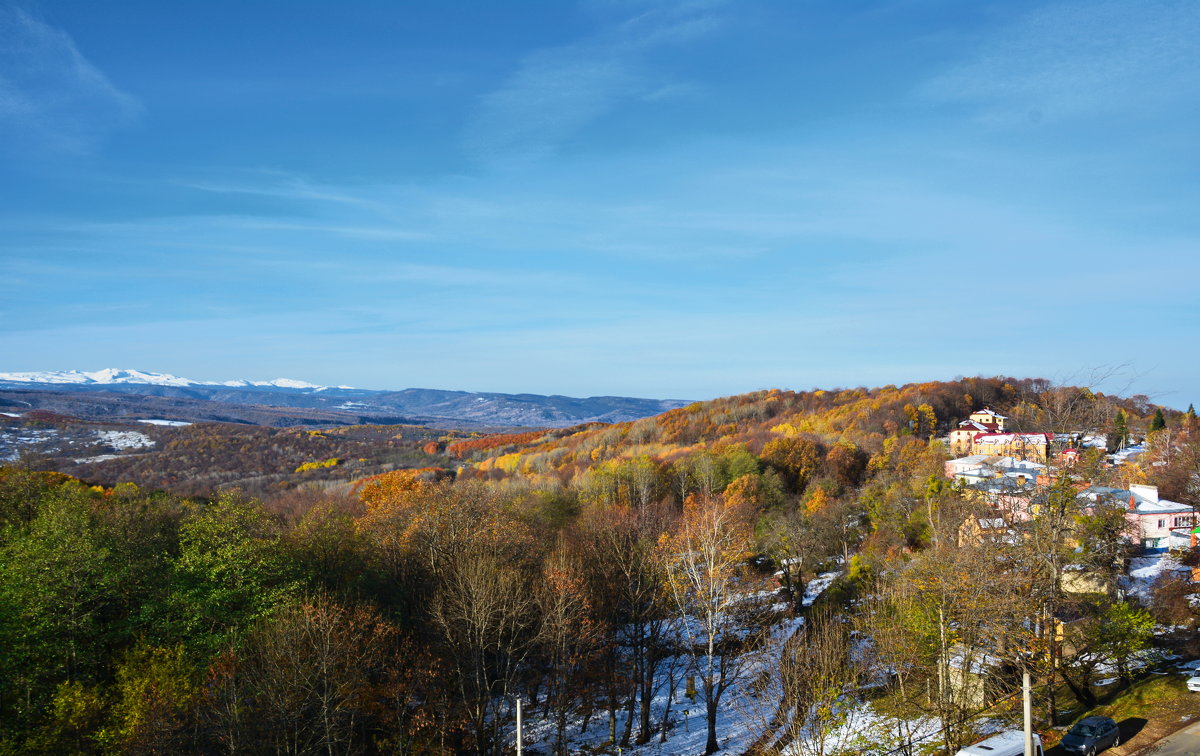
109	376
160	395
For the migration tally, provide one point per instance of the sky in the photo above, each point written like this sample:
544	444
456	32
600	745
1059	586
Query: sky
608	197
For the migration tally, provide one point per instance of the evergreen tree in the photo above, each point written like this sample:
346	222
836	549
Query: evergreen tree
1119	435
1159	422
1189	417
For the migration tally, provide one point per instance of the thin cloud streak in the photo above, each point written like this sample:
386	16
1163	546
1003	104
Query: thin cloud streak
50	94
556	92
1078	59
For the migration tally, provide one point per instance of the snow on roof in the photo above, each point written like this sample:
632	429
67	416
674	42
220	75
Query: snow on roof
1012	463
1125	454
975	472
1160	507
973	425
1144	502
971	460
1144	492
989	411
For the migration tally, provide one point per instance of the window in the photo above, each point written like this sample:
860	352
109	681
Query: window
1162	523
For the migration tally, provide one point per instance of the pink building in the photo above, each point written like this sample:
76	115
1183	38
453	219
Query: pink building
1152	518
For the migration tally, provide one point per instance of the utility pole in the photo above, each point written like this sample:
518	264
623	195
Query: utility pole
1027	694
519	727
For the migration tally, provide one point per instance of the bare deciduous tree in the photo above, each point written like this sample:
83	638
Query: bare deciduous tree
709	585
485	613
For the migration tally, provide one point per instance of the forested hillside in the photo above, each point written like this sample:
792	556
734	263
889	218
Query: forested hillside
802	437
633	584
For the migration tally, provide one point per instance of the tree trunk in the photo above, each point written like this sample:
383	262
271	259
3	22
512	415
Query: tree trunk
711	746
630	714
644	723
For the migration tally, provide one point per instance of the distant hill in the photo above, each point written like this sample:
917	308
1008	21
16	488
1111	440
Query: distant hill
113	394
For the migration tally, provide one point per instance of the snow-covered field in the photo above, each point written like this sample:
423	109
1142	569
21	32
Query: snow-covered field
122	440
89	444
12	441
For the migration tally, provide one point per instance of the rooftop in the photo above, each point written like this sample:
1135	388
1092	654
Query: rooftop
989	411
1004	742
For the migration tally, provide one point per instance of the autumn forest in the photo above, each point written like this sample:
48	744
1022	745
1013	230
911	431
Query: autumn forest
749	573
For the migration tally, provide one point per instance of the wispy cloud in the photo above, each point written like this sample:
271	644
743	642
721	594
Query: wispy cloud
281	185
556	92
453	276
50	94
1080	59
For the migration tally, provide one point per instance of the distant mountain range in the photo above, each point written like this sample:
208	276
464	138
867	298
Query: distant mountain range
110	376
111	394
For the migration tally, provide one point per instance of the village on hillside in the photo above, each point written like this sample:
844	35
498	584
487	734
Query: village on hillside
1017	477
1001	467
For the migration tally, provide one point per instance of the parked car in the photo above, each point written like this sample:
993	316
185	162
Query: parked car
1193	684
1011	743
1091	735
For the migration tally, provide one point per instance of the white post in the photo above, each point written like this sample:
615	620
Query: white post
518	726
1028	696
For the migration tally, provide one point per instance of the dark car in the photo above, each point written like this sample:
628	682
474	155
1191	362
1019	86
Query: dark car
1091	735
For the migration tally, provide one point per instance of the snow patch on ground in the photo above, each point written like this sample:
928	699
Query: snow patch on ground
125	439
10	442
1144	570
743	713
100	458
168	423
817	586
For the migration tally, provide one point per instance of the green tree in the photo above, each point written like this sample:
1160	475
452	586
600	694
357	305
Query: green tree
1125	631
231	570
1159	422
155	689
22	493
737	461
1118	437
56	602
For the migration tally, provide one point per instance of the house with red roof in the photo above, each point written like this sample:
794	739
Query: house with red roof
985	420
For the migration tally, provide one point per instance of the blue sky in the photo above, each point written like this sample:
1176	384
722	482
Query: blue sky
676	199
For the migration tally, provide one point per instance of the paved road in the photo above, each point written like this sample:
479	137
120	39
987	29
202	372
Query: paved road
1186	742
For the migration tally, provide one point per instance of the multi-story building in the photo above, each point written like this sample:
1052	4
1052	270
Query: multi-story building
1025	446
981	421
